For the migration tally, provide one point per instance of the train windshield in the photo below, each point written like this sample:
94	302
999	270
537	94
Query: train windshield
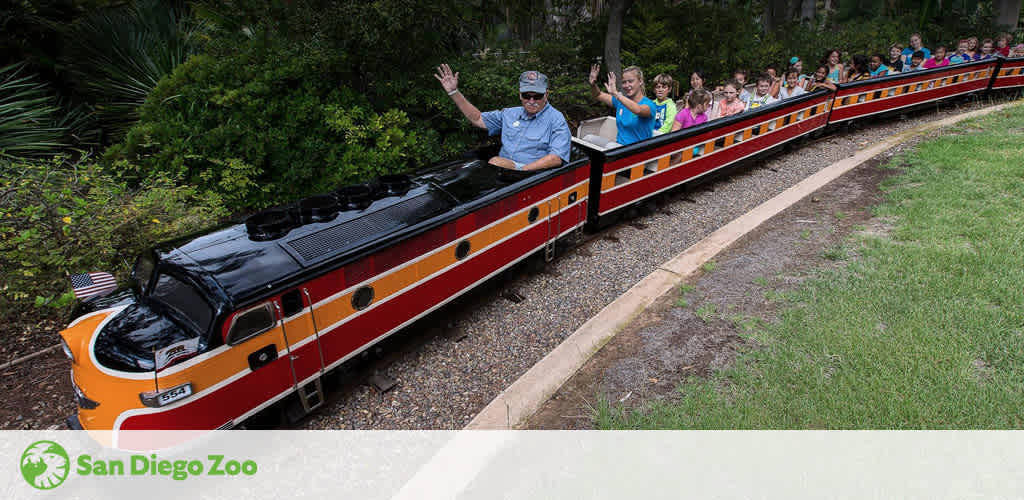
143	272
185	300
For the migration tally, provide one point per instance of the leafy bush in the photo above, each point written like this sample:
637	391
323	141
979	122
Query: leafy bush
265	126
59	218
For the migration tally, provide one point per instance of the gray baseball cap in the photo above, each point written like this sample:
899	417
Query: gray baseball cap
533	81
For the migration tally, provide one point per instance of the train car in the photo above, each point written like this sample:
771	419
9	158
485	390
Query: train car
625	175
1009	74
220	326
876	96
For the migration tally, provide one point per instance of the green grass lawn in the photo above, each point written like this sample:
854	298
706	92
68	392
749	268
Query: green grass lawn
924	328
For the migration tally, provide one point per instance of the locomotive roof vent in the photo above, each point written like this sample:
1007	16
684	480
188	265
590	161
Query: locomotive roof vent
270	224
394	185
355	197
319	208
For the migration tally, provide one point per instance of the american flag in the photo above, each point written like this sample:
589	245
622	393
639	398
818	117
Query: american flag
87	285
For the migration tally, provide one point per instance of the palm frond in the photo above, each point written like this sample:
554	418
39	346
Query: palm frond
120	54
27	114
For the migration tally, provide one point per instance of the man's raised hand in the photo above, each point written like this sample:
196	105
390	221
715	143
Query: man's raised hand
449	81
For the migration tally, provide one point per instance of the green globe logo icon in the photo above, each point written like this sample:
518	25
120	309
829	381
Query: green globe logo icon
44	465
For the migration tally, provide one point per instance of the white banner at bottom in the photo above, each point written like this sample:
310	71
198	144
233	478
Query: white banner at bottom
512	464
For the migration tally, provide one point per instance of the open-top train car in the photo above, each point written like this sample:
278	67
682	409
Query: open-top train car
221	326
625	175
857	100
1009	74
218	327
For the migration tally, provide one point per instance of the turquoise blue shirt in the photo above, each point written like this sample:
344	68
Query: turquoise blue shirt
526	139
882	70
632	128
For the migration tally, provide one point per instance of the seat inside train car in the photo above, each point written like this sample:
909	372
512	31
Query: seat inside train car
598	133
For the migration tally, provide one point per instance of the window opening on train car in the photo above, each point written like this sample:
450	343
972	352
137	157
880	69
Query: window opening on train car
184	300
906	88
622	177
787	120
756	131
291	303
651	167
698	151
738	137
462	249
534	135
813	111
877	94
771	125
890	93
800	115
720	143
861	98
675	158
250	323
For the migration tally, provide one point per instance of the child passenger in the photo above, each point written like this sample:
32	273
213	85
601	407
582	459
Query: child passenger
876	68
938	59
1003	44
916	62
915	46
762	94
664	106
740	76
895	59
820	80
792	88
835	68
988	50
961	55
732	104
695	112
1017	51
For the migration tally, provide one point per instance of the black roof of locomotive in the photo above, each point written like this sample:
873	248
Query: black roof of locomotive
235	270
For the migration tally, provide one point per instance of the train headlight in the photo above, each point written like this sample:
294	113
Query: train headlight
67	349
156	399
83	402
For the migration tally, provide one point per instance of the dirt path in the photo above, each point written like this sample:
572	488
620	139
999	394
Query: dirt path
692	334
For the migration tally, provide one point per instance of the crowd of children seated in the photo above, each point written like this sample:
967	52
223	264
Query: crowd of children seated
699	104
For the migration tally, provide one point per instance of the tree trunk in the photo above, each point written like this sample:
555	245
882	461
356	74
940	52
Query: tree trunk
613	38
807	8
774	14
1007	12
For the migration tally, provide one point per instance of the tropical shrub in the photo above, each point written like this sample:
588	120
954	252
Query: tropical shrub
267	126
115	56
60	217
28	113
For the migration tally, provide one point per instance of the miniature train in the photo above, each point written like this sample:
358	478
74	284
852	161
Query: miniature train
219	327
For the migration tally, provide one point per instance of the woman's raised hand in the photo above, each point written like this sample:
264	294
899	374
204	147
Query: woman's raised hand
611	85
449	81
594	70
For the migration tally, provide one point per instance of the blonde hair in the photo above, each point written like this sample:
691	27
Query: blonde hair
639	72
663	79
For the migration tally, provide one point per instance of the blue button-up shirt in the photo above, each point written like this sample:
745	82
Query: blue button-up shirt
526	139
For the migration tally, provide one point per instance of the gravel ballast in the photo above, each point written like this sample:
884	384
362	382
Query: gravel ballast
487	341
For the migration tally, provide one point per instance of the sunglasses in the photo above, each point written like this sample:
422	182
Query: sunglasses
527	96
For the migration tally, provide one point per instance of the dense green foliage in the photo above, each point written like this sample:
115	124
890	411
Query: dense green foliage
266	126
59	218
116	56
662	37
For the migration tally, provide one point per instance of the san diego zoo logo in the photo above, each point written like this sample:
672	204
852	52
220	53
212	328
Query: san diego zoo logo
44	465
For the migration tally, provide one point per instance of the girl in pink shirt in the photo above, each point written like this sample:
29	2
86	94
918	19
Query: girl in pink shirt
938	59
732	104
695	111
